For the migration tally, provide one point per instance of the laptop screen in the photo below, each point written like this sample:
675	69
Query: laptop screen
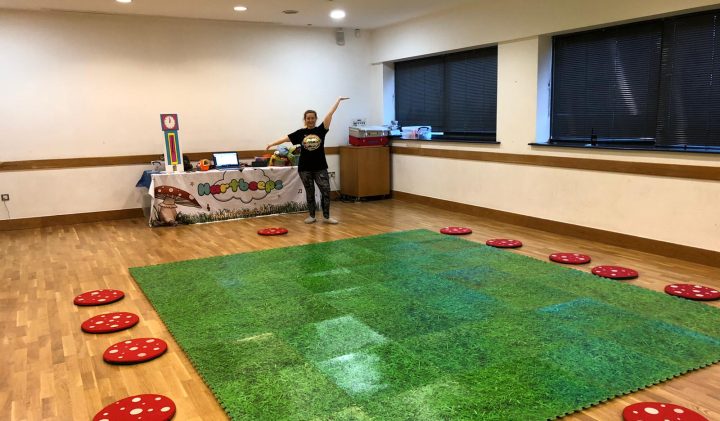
225	159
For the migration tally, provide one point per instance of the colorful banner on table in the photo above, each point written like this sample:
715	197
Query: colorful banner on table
188	198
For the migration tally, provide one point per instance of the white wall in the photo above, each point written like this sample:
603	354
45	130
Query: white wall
680	211
85	85
489	22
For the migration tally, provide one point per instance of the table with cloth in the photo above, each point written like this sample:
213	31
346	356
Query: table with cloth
207	196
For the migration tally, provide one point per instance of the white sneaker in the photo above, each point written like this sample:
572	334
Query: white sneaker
330	221
309	220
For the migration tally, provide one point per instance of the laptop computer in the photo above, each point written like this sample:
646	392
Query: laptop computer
226	160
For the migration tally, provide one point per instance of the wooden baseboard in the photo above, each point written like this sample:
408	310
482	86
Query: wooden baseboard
662	248
77	218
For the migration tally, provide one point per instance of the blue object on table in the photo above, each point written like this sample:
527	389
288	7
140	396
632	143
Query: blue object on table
146	178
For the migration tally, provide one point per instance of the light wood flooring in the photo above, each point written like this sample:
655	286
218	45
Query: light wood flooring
52	370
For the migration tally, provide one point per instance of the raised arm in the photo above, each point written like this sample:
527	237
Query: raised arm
329	116
278	142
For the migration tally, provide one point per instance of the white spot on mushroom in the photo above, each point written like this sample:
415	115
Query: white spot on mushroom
136	399
678	411
652	411
134	348
113	351
164	409
150	340
142	354
135	411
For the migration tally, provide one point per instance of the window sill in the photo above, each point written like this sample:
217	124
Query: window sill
441	139
709	150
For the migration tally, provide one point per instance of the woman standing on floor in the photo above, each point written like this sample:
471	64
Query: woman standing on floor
313	165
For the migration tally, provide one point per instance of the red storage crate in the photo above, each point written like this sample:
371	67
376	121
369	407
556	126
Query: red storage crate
369	136
369	141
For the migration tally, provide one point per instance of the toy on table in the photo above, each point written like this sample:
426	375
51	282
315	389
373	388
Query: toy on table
285	156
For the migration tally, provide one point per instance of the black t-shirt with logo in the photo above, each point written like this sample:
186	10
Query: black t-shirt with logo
312	157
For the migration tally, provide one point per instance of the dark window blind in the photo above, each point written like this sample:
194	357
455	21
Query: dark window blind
454	93
420	92
471	87
605	82
689	107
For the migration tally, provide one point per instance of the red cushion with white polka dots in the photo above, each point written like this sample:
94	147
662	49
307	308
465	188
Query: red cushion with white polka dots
693	292
456	231
570	258
658	411
98	297
140	407
110	322
614	272
272	231
504	243
135	351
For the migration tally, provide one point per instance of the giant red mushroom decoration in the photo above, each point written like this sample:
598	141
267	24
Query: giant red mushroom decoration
171	197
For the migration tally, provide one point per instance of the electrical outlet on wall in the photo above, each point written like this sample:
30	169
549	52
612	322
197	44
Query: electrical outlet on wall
331	174
4	197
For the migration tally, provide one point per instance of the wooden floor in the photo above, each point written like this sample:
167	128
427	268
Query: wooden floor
52	370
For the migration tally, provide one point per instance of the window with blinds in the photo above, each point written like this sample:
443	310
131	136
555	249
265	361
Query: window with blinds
651	84
454	93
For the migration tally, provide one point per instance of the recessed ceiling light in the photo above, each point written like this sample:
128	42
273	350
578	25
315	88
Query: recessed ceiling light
124	1
337	14
239	8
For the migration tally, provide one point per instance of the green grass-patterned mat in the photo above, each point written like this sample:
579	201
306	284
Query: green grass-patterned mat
420	326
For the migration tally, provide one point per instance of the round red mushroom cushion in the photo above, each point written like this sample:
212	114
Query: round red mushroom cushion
570	258
110	322
135	351
614	272
273	231
148	407
98	297
693	292
651	411
456	231
504	243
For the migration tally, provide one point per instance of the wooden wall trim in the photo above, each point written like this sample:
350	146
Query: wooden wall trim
76	218
63	163
695	172
662	248
105	161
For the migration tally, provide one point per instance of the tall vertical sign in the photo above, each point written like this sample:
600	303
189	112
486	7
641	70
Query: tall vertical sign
173	156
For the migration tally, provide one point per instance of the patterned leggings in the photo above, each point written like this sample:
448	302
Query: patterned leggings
322	179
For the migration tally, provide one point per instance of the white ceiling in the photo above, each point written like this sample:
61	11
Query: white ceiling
362	14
